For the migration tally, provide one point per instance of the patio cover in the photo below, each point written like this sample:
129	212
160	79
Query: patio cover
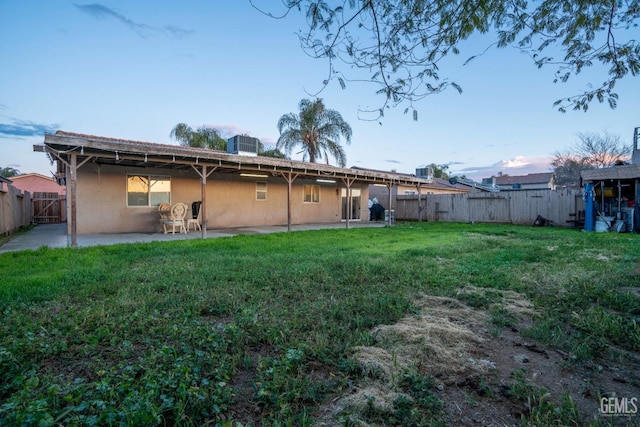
74	150
614	172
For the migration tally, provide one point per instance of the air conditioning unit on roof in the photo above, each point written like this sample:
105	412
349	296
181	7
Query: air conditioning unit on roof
243	145
426	172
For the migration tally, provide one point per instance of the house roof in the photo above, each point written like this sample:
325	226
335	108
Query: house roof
29	175
614	172
532	178
37	183
113	151
443	184
470	185
5	180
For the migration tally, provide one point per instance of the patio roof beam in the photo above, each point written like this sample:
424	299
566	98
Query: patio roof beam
190	155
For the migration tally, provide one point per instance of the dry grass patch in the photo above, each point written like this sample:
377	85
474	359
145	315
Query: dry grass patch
442	340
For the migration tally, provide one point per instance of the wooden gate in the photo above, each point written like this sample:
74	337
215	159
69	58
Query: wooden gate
48	208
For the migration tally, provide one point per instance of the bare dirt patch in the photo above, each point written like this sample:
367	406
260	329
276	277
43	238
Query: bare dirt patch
478	368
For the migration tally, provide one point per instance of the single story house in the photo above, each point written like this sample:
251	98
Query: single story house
115	185
37	183
532	181
48	197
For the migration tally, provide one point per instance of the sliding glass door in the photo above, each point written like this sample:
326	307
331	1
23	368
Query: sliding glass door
356	203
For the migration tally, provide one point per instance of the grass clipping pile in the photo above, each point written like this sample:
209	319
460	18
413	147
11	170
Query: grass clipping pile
450	342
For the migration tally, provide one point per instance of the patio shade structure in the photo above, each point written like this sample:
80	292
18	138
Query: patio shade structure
74	150
624	179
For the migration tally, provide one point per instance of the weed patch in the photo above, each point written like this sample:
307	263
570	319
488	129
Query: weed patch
299	328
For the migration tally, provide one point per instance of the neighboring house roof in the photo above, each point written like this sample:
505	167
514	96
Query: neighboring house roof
35	182
434	183
470	185
444	184
532	178
112	151
5	180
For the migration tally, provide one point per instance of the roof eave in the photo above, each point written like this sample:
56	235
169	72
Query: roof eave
101	147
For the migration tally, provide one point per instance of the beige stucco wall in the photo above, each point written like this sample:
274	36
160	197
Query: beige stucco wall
231	200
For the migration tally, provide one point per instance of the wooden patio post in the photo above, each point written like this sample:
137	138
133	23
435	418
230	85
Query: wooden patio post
419	202
73	169
289	177
203	202
348	182
389	216
203	196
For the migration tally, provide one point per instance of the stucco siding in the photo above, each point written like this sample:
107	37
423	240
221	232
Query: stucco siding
231	200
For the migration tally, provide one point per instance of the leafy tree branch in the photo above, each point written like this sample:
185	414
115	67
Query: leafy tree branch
402	42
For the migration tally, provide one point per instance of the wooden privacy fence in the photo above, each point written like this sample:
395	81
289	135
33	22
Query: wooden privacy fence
48	208
513	207
15	209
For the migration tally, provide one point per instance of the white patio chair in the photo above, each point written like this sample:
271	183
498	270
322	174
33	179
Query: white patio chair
176	219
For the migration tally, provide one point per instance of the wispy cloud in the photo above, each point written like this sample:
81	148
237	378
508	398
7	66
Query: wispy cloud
227	131
397	162
143	30
23	128
519	165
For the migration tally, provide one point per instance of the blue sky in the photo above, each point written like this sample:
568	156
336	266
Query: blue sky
133	70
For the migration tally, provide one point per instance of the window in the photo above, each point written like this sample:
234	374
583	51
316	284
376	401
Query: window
148	190
261	190
311	194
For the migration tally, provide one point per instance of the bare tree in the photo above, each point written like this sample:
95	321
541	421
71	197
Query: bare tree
591	151
601	150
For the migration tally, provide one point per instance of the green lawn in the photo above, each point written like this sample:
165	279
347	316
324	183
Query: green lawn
261	329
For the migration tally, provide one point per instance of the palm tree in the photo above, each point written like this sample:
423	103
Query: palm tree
317	129
8	172
203	137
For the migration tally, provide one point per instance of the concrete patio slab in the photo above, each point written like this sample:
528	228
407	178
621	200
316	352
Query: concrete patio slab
55	235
